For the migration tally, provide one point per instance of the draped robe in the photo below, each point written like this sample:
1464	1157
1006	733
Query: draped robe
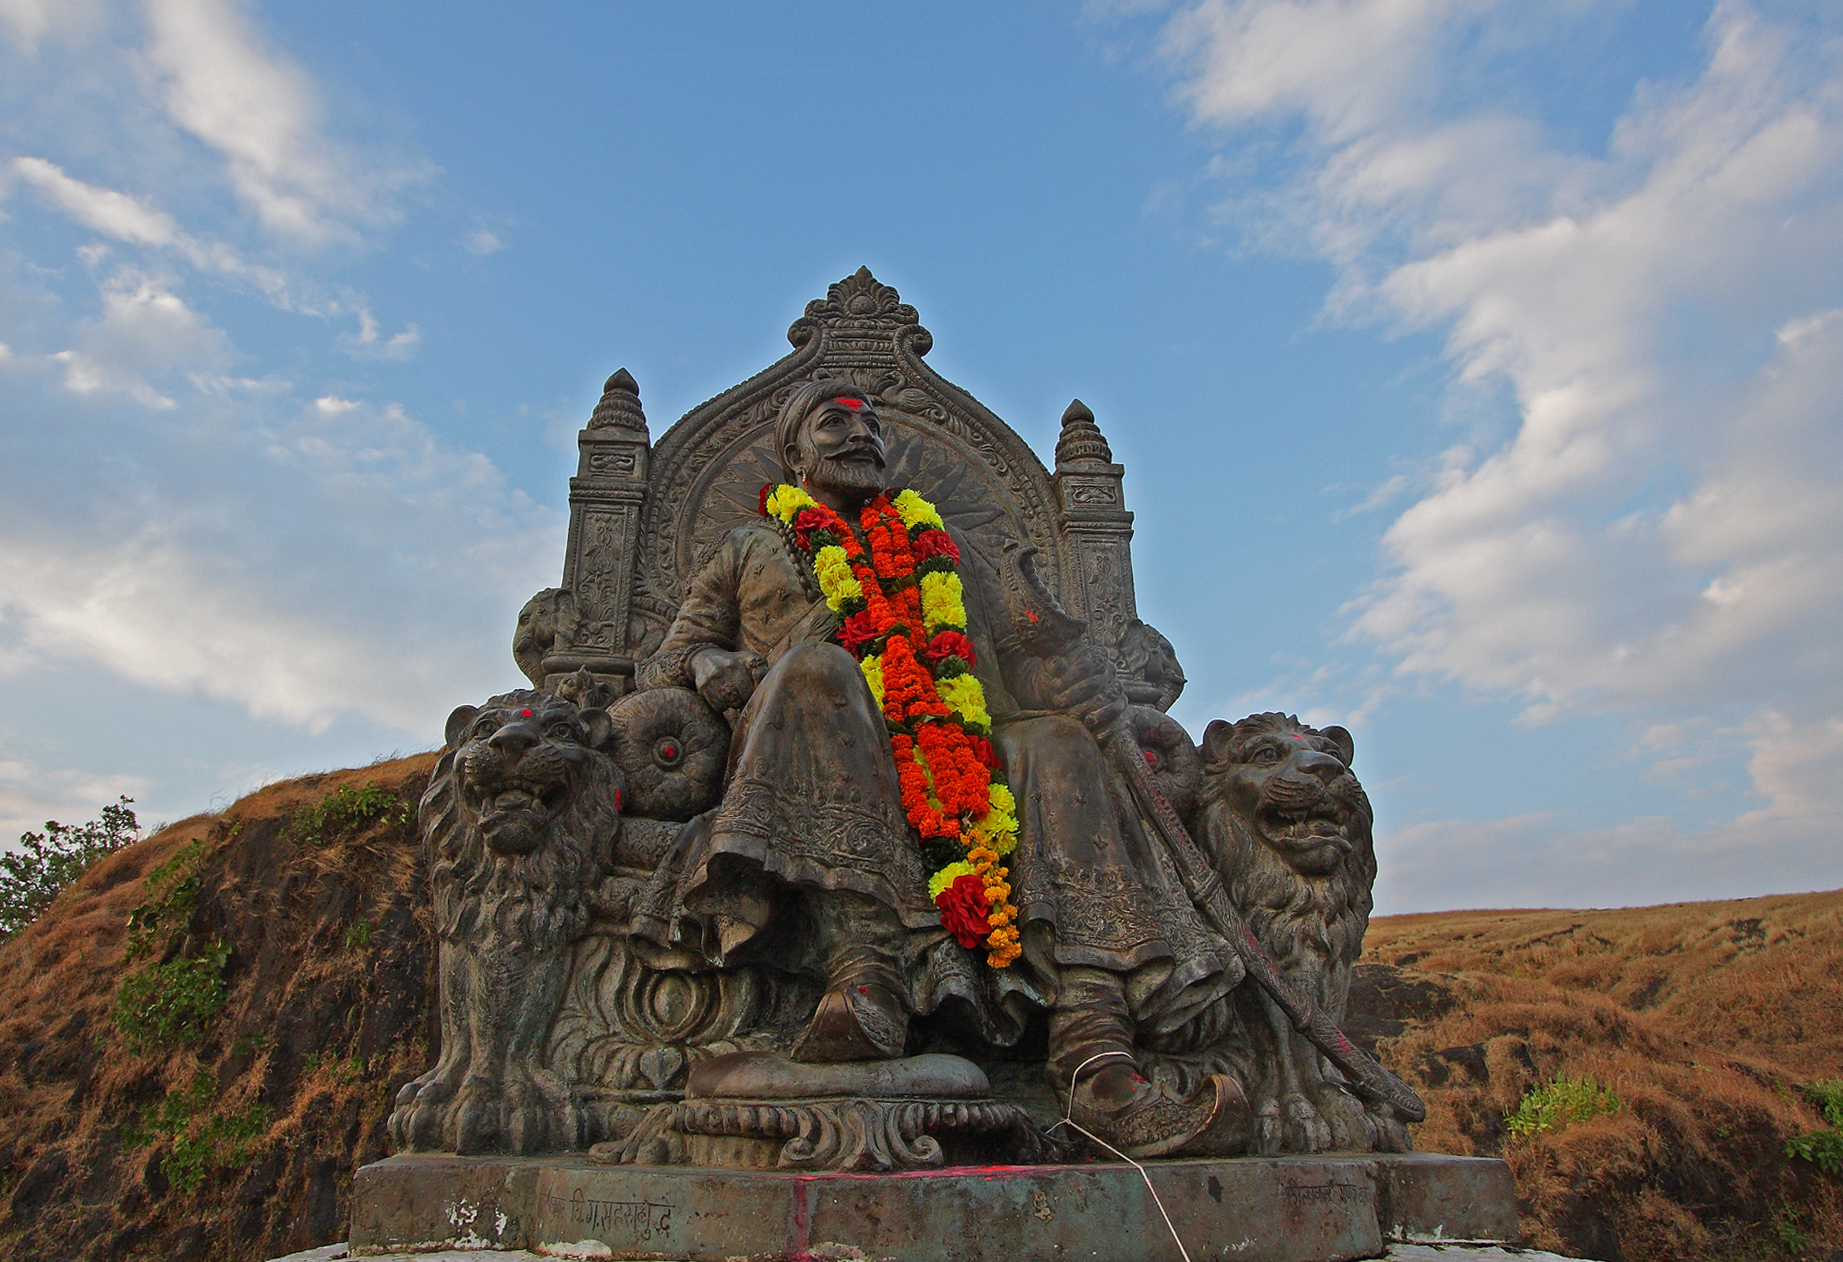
811	804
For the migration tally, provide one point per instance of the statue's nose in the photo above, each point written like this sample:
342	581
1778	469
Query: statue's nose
513	740
1314	763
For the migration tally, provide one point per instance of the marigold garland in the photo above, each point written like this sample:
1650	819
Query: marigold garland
903	615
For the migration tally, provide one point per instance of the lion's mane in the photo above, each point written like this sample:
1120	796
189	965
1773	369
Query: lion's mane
1295	915
535	900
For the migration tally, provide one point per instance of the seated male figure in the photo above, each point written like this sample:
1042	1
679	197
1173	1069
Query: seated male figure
813	822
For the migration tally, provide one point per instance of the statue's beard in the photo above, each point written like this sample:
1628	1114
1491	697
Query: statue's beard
840	473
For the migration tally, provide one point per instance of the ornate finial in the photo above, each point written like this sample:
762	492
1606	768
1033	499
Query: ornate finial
1081	438
620	404
860	298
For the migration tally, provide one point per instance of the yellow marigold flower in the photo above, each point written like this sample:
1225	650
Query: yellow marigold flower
833	569
999	796
941	601
915	511
998	833
967	698
872	667
947	876
786	501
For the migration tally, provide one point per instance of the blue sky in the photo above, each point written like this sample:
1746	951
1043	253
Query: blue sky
1476	368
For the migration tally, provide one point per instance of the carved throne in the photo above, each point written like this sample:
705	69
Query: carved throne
637	1021
643	515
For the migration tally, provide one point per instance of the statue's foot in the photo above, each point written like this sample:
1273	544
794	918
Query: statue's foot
858	1020
1144	1120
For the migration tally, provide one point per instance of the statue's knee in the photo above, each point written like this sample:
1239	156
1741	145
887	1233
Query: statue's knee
818	665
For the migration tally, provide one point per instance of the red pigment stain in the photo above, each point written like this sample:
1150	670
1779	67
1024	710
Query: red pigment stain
856	405
524	714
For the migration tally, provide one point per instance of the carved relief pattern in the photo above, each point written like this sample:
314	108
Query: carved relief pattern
627	1027
836	1134
619	463
600	574
1104	579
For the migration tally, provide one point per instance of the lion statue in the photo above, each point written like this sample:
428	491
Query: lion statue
519	824
1288	826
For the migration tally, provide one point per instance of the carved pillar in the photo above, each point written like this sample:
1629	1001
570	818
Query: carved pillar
599	561
1099	529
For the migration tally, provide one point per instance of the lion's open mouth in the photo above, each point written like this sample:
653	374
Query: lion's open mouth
1317	824
508	797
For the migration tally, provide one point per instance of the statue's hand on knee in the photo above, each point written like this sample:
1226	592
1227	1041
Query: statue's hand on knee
1082	684
726	680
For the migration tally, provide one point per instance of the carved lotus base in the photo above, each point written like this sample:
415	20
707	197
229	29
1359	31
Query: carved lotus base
855	1134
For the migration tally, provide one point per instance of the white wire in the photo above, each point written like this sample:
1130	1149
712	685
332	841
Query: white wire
1069	1121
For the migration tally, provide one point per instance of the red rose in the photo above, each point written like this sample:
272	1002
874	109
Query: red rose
983	751
858	630
963	910
946	644
933	543
806	521
762	502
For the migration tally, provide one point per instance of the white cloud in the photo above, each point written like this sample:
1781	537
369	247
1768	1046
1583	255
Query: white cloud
1662	533
483	241
261	114
30	21
145	330
102	210
369	343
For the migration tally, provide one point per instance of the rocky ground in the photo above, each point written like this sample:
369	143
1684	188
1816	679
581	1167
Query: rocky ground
200	1041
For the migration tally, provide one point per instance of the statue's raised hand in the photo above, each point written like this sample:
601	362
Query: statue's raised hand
726	680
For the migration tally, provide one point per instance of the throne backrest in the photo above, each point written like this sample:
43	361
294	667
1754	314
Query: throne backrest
643	516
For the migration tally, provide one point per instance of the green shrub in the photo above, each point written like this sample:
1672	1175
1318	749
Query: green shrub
202	1138
347	808
168	1005
32	876
1563	1101
1823	1148
172	888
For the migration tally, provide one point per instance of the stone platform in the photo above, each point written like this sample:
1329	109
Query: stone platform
1286	1209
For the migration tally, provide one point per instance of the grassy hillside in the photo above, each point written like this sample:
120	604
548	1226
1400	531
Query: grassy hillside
200	1041
1683	1034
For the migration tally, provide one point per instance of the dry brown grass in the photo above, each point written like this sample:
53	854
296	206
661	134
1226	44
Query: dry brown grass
1703	1018
316	1028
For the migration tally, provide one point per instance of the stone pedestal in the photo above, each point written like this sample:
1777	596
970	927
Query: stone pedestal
1287	1209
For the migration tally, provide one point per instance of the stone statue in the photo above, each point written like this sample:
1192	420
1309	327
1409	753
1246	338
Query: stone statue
812	814
797	935
520	819
1288	825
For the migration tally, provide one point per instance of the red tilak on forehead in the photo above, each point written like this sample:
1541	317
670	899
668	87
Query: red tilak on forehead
856	405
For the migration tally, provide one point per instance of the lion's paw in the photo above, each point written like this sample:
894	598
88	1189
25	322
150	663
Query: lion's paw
529	1111
418	1120
1303	1130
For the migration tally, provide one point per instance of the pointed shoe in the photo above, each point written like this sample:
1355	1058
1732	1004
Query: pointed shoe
1143	1120
855	1021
